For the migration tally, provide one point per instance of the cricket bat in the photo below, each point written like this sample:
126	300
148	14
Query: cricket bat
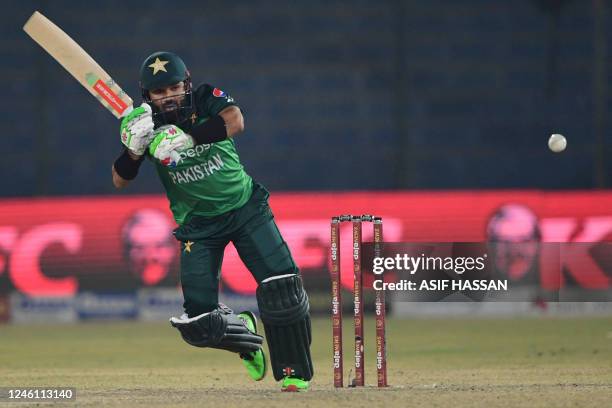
75	60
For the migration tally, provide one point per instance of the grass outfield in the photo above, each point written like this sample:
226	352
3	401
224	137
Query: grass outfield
547	362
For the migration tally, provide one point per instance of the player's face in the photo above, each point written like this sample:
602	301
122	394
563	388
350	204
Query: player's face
169	98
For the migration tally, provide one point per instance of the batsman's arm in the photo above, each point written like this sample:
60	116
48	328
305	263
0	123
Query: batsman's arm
118	181
234	121
125	168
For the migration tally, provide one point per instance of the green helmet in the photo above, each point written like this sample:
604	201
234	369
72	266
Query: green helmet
162	69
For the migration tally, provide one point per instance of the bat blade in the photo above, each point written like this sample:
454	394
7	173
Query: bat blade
78	63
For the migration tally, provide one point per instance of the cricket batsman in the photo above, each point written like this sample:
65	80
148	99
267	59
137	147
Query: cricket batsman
188	135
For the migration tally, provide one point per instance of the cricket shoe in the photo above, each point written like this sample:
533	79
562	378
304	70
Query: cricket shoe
255	361
294	384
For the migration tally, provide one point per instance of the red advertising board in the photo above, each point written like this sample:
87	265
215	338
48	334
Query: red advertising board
60	246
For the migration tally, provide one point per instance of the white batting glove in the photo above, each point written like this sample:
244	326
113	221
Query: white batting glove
137	129
167	144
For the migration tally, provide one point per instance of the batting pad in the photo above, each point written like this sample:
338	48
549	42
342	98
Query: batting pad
220	329
284	309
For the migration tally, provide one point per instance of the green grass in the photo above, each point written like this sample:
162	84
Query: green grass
543	362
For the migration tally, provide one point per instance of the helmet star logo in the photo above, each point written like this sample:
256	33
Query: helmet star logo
158	66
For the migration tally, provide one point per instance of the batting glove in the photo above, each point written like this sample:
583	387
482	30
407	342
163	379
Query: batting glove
168	142
137	129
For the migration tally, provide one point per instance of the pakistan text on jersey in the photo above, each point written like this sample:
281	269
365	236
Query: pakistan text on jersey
198	171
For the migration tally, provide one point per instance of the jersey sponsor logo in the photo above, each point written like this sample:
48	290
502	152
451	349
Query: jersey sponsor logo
218	93
196	151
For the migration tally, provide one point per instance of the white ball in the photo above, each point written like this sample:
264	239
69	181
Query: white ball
557	143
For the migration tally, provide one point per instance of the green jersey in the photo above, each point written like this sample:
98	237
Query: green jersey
209	180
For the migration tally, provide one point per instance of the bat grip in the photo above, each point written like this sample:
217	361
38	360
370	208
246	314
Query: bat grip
127	111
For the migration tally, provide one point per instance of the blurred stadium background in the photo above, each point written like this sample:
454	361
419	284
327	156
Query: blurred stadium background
360	95
432	114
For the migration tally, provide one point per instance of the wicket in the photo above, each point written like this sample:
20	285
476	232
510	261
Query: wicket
381	357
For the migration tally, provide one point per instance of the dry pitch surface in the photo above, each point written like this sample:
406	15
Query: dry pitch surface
544	362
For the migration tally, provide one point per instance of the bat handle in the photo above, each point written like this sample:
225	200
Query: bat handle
127	111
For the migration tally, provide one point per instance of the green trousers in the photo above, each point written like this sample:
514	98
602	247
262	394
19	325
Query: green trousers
256	237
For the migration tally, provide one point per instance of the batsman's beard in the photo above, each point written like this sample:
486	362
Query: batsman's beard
173	110
169	106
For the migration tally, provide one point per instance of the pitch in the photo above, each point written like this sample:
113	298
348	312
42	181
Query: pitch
535	362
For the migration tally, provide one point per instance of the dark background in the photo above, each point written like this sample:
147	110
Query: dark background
337	95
